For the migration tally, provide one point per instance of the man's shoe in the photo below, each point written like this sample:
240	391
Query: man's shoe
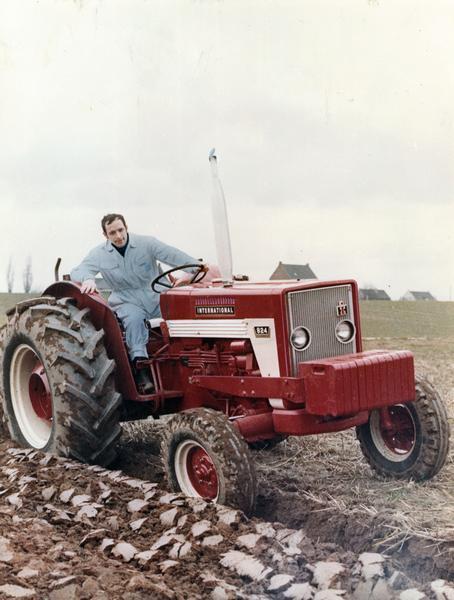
143	380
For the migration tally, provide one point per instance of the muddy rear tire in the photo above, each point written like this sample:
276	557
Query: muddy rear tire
56	382
418	448
205	456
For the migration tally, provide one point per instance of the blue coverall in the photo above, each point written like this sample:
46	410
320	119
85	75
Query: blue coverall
129	278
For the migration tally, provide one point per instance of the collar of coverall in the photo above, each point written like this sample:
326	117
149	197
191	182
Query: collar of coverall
131	243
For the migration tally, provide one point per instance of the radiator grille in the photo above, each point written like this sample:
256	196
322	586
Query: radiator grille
316	310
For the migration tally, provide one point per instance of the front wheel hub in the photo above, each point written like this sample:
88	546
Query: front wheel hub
393	431
196	471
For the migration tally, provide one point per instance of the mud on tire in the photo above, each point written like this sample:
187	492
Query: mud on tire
53	347
430	446
225	469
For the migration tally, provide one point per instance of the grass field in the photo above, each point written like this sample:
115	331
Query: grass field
9	300
407	319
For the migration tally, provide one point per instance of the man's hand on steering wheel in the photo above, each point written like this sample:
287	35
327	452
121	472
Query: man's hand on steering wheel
189	278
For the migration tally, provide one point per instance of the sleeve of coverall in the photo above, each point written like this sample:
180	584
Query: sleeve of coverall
169	255
88	268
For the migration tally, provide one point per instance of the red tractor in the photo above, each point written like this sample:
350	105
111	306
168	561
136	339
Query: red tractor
235	363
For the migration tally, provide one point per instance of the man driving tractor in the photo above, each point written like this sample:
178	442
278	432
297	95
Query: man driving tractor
128	264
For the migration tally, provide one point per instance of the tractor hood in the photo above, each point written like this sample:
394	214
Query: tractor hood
241	300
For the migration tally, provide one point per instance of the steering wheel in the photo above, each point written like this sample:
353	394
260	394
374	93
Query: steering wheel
196	278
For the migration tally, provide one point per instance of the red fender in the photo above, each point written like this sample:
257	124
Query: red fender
102	317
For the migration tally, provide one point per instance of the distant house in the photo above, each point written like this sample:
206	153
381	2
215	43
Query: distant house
284	271
373	294
417	296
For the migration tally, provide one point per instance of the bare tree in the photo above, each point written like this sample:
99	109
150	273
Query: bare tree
27	275
10	275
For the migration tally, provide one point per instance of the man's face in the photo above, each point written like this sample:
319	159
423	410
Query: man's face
117	233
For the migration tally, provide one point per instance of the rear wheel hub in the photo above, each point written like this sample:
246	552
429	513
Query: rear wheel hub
39	391
31	397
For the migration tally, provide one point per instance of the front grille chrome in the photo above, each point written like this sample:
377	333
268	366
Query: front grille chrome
316	310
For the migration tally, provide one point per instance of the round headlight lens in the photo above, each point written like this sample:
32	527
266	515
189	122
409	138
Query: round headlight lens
345	331
300	338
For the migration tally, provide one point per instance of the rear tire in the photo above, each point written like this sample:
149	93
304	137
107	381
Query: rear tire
56	382
419	446
204	456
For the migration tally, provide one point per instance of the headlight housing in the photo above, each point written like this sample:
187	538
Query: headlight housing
345	331
300	338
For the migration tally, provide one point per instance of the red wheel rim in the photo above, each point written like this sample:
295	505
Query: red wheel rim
398	430
202	473
40	396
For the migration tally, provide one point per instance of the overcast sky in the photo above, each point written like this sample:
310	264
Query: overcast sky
333	122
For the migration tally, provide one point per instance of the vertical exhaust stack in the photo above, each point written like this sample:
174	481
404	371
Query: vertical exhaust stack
220	222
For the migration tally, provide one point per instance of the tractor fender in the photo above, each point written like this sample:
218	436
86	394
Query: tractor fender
102	317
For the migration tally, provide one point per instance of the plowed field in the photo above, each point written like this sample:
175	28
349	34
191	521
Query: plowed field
325	527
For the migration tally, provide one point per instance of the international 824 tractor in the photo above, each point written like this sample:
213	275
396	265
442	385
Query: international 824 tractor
235	363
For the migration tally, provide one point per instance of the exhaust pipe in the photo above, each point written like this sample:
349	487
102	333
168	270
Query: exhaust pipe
56	269
221	223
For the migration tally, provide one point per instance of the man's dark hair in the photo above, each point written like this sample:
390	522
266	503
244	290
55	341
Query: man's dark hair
108	219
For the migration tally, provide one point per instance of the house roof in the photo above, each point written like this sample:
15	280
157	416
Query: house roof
373	294
421	295
297	271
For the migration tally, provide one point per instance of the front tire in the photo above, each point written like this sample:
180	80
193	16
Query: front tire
56	382
204	456
416	444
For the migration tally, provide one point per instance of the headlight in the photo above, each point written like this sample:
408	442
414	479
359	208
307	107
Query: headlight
345	331
300	338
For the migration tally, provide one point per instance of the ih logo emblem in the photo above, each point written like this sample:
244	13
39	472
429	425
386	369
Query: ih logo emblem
341	309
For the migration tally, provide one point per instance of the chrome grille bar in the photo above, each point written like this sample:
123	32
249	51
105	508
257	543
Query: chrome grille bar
316	310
